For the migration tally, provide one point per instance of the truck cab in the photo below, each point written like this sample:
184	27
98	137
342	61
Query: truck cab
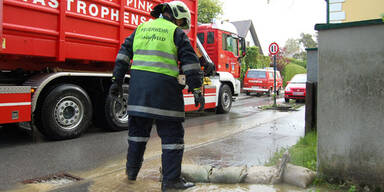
223	45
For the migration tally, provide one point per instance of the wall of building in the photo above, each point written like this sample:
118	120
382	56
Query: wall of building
312	68
350	110
311	86
249	40
355	10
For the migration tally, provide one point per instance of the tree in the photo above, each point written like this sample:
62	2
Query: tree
307	41
295	48
208	10
253	60
281	60
301	55
292	47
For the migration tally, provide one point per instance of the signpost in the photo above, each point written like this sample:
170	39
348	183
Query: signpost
274	50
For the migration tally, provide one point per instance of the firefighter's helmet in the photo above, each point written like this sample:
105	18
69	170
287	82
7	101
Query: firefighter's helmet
179	11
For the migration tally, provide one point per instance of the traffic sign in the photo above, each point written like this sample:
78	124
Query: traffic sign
273	48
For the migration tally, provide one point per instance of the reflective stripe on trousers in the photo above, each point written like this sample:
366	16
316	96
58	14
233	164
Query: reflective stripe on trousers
156	111
138	139
172	146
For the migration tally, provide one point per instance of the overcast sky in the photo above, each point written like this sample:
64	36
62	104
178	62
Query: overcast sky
277	20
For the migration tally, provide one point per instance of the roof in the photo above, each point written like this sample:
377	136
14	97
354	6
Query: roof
245	26
311	49
320	27
224	25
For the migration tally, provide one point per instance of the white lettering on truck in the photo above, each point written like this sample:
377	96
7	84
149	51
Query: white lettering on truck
114	15
139	4
96	10
93	10
81	6
69	4
53	3
42	2
104	11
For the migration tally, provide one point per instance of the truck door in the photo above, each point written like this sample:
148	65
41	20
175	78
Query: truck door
231	51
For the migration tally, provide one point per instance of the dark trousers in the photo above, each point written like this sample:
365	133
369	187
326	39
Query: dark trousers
172	141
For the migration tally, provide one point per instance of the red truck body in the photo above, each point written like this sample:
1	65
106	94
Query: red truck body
54	31
56	59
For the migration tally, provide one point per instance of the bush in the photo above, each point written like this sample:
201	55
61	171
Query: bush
302	63
291	70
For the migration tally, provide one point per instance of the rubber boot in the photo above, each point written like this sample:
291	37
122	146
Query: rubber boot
177	184
132	173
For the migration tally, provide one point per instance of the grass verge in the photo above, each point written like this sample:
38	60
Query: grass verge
282	107
304	153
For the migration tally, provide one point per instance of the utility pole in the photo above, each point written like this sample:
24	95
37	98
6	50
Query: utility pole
327	11
274	50
274	81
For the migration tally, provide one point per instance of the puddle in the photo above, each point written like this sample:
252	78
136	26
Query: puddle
52	181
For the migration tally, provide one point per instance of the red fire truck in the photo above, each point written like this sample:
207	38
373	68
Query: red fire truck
57	56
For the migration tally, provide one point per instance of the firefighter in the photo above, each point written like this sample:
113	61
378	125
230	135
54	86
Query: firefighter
155	94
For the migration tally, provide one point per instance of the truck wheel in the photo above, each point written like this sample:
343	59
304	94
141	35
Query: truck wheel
116	111
66	112
225	99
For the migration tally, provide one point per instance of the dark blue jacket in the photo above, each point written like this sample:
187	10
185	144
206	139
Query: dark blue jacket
155	95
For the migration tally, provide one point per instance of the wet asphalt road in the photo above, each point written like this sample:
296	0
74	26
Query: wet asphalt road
22	158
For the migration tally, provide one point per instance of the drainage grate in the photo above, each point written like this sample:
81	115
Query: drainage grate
54	179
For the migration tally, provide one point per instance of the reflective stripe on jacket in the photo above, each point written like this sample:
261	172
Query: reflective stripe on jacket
154	91
154	48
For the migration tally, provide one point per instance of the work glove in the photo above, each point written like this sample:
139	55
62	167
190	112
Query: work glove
116	90
199	98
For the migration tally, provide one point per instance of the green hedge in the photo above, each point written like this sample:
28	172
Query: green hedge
298	62
291	70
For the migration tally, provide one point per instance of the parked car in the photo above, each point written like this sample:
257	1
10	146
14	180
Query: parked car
261	81
295	88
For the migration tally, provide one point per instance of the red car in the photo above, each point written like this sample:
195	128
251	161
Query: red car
261	81
296	88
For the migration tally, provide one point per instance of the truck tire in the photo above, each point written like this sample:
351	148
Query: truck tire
66	112
116	112
225	99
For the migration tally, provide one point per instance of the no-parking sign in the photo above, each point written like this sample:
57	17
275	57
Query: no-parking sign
273	48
